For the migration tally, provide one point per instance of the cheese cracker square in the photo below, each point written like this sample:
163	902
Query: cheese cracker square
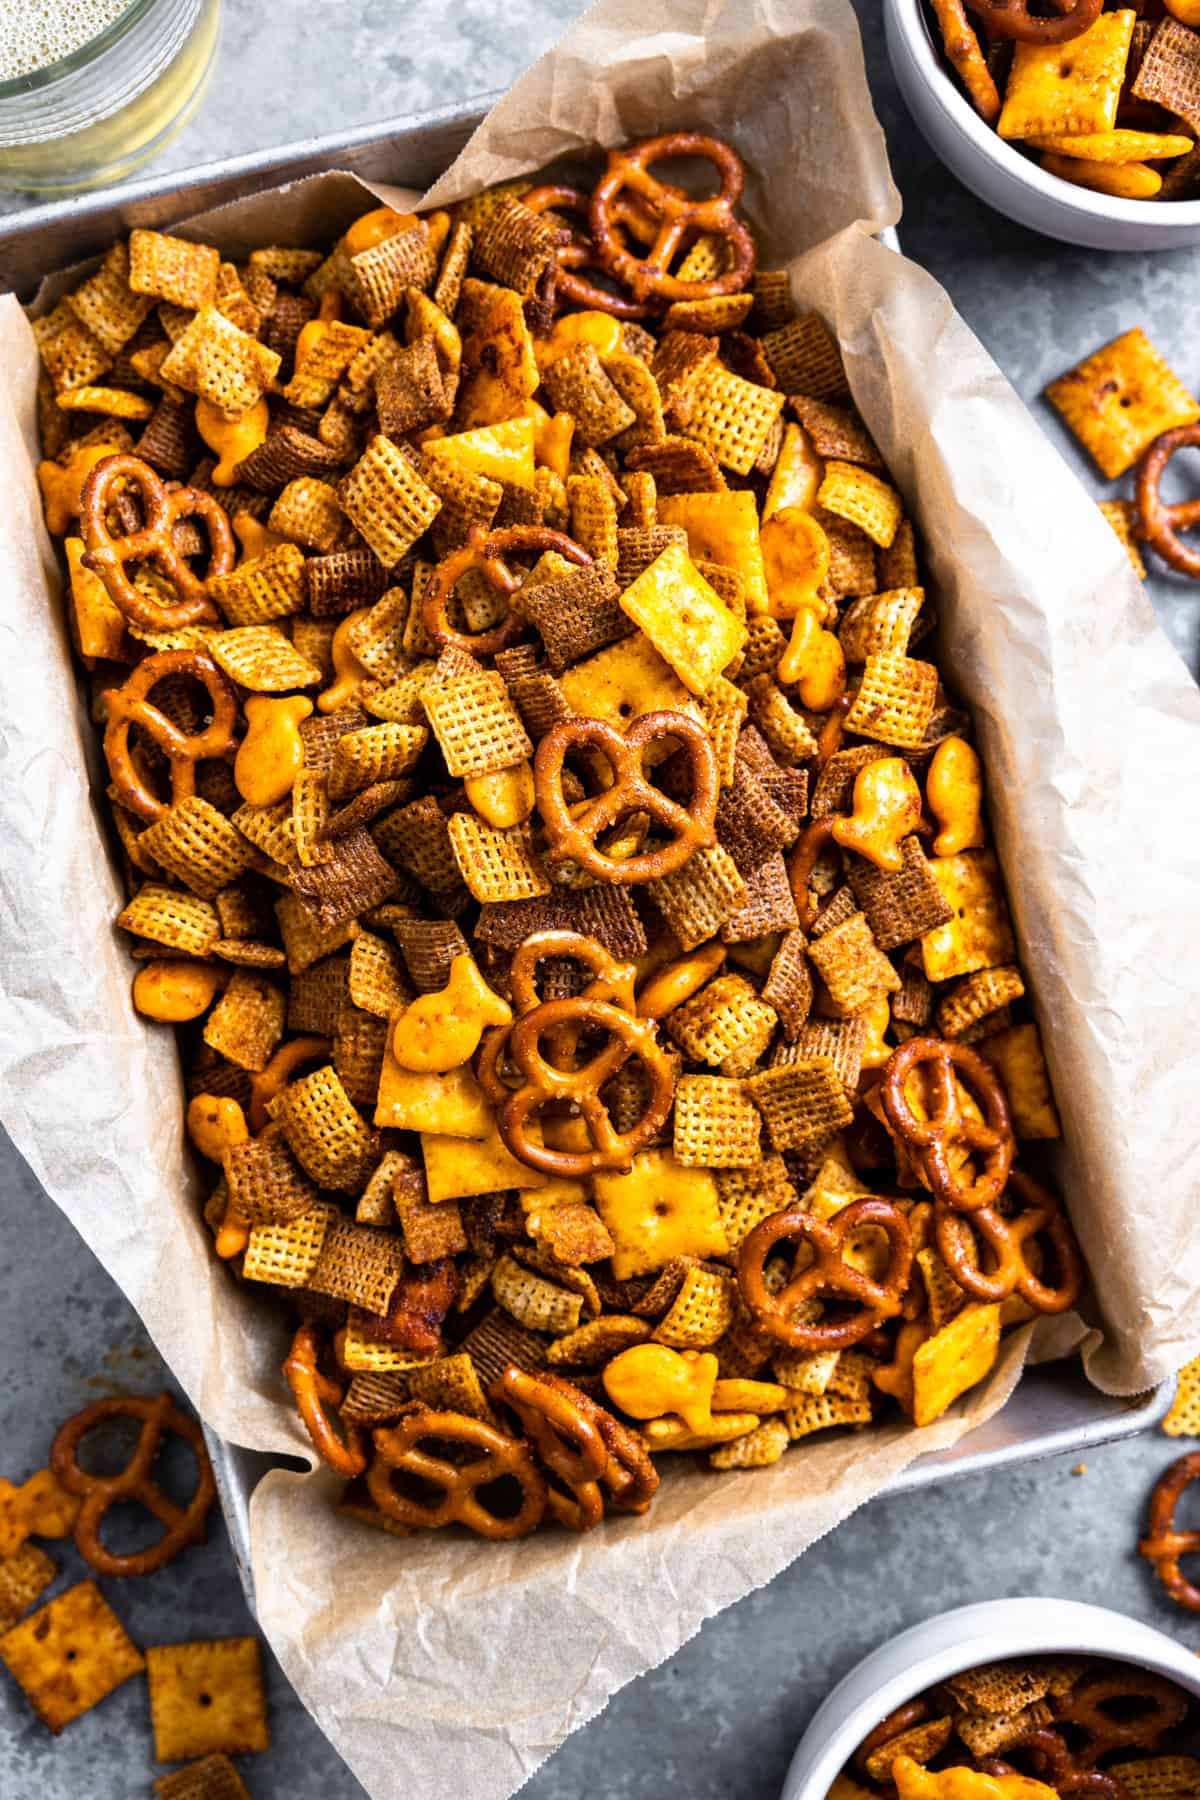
1119	399
70	1655
1068	88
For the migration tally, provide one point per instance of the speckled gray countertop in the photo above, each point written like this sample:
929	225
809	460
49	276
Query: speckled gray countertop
721	1718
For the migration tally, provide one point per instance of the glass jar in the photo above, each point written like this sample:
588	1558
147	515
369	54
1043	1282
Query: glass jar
94	115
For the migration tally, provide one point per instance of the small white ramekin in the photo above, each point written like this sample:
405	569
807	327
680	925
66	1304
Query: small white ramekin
954	1641
1003	175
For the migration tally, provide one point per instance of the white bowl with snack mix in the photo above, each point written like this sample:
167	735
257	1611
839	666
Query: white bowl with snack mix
1005	128
1061	1658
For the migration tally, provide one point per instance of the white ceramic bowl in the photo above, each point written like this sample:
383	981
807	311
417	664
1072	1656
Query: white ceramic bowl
954	1641
1005	176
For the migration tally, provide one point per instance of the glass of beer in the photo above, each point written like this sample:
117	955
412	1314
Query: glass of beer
91	88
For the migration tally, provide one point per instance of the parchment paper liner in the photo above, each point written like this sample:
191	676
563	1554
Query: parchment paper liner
444	1667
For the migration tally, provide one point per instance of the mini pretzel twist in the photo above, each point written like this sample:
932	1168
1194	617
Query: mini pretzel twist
611	980
828	1274
1158	524
571	835
815	837
1087	1707
929	1141
959	1235
579	1087
153	541
577	252
487	551
129	705
678	215
1164	1546
1013	19
398	1451
314	1393
581	1444
903	1718
1057	1768
182	1525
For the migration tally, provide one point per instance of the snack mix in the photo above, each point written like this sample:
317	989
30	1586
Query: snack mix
1035	1730
1103	98
546	826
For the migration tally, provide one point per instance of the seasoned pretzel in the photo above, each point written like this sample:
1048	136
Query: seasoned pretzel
579	1087
1164	1546
965	56
959	1234
611	980
398	1450
1013	19
281	1069
678	216
182	1525
486	551
1059	1769
828	1274
903	1718
1158	524
817	834
153	541
1086	1707
128	705
314	1393
577	252
571	835
928	1141
592	1454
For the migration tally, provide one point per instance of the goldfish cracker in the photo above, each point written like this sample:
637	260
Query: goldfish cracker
599	329
231	440
349	674
887	809
1186	11
671	986
796	476
795	555
271	753
255	537
441	1031
233	1233
552	437
915	1783
437	225
954	790
215	1124
286	1062
62	487
505	797
876	1049
650	1380
813	663
374	227
174	991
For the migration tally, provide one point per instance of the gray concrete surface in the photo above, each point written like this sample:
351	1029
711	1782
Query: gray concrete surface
721	1718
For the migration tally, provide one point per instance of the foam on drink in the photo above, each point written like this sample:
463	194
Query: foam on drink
36	33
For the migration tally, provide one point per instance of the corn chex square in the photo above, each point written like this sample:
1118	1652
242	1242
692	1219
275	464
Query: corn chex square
477	727
731	417
863	499
386	499
214	360
895	700
716	1125
496	864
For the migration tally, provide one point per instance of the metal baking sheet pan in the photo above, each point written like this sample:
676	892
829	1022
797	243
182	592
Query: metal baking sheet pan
1055	1409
